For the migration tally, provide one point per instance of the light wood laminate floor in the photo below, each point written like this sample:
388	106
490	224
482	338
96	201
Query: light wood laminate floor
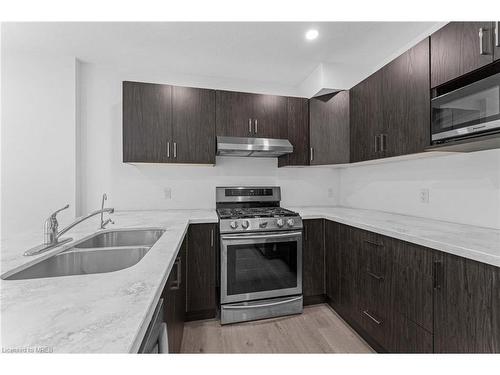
317	330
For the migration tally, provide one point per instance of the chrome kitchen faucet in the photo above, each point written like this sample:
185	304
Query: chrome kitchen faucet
52	235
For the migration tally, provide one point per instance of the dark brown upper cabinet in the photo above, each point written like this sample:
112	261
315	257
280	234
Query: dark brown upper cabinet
251	115
329	129
193	125
459	48
466	306
406	103
234	114
147	122
297	132
168	124
313	259
366	120
390	110
496	41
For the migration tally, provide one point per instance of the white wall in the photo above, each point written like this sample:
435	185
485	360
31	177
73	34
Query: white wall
38	139
141	186
463	188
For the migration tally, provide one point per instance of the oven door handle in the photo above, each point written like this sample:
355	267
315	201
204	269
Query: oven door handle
260	236
237	307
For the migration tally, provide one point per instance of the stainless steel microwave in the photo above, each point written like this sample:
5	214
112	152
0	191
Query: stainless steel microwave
468	111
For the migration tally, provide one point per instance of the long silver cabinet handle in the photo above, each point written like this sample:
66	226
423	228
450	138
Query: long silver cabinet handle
379	322
212	238
168	149
311	156
229	307
175	150
497	37
250	125
255	127
482	32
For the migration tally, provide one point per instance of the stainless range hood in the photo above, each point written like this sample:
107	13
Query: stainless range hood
255	147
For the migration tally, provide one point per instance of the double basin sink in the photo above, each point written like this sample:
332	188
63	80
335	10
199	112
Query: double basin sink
105	251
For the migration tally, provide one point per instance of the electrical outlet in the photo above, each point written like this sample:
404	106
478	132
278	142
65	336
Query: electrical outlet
167	193
424	195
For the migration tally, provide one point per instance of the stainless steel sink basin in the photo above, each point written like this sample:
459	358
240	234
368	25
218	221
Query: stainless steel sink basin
132	237
107	251
82	262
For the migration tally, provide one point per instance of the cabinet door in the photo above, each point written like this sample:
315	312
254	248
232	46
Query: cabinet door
366	118
329	129
270	116
169	295
180	297
147	122
333	248
297	132
467	307
234	114
193	125
455	50
350	280
313	259
412	282
201	279
496	40
406	102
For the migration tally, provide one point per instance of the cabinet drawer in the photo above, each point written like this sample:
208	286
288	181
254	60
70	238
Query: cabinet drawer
375	321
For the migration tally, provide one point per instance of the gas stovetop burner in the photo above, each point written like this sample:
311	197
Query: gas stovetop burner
247	213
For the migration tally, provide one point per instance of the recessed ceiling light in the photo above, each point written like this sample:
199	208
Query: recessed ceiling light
312	34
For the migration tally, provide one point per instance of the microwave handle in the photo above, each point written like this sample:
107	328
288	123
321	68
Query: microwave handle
260	236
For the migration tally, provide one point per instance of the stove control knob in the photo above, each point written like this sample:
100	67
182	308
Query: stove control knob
290	222
233	224
263	224
245	224
280	223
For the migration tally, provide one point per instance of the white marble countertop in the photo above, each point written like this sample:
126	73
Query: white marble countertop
477	243
107	312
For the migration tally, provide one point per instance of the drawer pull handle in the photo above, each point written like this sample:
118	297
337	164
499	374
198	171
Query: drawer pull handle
376	277
378	322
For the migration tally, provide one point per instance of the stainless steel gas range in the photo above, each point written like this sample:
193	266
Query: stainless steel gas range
261	254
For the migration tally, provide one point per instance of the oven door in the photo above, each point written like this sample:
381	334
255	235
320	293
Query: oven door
260	265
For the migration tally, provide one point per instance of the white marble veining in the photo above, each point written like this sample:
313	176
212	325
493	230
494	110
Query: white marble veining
106	313
477	243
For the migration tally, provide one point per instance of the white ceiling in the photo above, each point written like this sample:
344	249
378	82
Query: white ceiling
274	52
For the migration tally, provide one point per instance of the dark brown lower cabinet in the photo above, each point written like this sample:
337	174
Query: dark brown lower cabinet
174	295
313	261
405	298
466	306
333	248
350	280
386	288
201	269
